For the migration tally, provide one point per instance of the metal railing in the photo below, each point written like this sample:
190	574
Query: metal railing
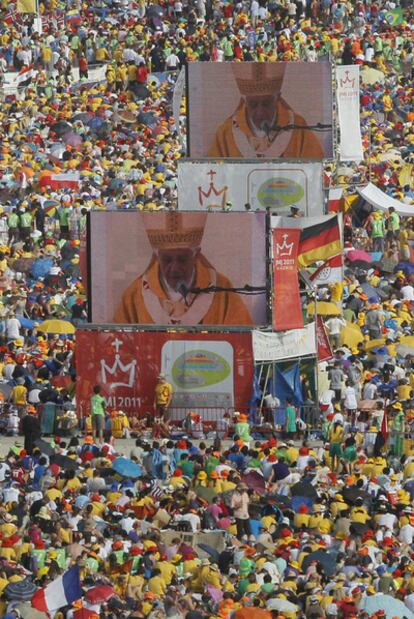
259	418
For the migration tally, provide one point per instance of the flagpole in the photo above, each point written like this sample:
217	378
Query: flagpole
38	18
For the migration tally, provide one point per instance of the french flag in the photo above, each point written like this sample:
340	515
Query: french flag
62	591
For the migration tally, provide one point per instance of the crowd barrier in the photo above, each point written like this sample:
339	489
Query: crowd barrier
261	419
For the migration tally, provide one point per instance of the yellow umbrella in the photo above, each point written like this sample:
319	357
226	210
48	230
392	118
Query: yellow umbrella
375	343
324	308
351	335
63	327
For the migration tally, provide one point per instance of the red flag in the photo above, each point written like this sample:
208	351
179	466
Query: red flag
334	200
287	310
324	347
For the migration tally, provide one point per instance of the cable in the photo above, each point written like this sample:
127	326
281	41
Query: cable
246	289
317	127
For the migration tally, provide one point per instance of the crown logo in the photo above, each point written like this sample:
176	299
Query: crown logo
285	249
347	82
109	373
214	193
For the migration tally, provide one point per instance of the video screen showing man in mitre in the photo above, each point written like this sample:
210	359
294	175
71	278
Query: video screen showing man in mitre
163	294
263	124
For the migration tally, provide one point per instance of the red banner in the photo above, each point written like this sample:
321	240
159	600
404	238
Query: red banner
324	351
206	370
287	310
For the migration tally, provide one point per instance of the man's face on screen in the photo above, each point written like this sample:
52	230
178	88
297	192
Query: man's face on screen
177	266
261	111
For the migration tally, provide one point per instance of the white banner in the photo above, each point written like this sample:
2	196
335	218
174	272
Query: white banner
347	97
277	346
382	201
211	185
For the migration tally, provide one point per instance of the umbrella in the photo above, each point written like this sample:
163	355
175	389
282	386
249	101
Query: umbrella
207	494
299	500
155	11
141	91
22	590
99	594
361	264
358	528
281	605
324	308
351	335
84	613
61	127
64	462
126	468
385	265
325	558
252	612
82	116
303	488
370	291
28	612
372	76
95	122
72	138
41	267
128	117
209	550
148	119
57	326
406	346
45	447
358	254
215	594
23	265
351	495
256	482
392	607
375	343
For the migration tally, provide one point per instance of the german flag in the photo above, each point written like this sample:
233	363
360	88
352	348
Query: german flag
319	242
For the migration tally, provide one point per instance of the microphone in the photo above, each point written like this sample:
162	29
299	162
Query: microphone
183	290
265	127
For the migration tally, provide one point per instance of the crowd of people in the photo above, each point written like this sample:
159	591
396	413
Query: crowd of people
302	528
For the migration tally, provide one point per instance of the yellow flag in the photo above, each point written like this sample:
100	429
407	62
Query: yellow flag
406	175
26	6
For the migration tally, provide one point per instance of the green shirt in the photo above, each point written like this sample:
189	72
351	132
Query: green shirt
63	215
187	468
25	220
13	220
97	404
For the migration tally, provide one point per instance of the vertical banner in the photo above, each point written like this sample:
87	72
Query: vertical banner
347	95
287	310
324	351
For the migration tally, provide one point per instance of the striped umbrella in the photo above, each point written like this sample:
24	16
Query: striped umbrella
20	591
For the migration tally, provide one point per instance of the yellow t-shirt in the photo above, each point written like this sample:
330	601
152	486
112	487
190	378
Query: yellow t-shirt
157	585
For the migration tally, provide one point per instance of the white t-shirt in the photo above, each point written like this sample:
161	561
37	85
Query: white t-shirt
407	534
12	328
408	292
350	400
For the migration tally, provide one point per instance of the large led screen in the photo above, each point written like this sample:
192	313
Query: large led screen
177	268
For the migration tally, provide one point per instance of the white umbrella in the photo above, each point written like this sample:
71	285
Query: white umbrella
372	76
281	605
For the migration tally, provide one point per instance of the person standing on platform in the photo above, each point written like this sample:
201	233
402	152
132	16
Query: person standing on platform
163	396
98	413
